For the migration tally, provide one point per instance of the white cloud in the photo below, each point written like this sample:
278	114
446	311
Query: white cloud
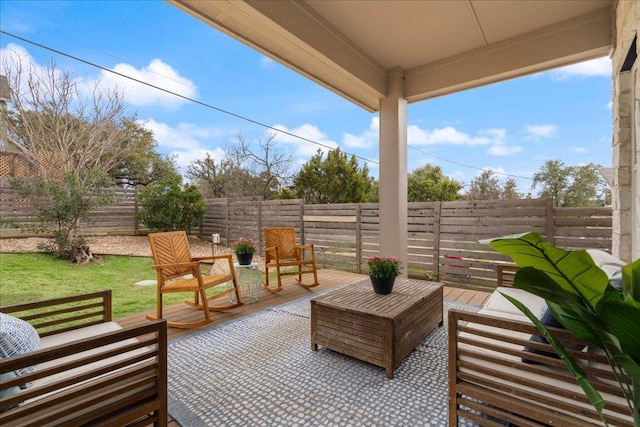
541	131
494	138
157	73
578	150
184	158
17	58
304	148
498	170
443	136
186	141
367	139
504	150
609	105
266	62
600	67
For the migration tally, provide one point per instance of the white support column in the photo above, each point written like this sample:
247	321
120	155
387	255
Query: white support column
393	170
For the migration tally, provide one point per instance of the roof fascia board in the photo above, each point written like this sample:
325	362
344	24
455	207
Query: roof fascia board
582	38
295	35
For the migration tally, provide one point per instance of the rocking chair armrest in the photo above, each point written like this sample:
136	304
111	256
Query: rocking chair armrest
208	257
177	264
301	248
271	251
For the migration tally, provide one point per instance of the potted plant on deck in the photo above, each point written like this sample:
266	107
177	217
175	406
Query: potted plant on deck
244	248
383	272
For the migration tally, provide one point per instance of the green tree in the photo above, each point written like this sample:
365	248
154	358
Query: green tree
166	206
335	179
510	190
553	177
486	186
571	186
63	204
428	184
587	188
373	196
140	164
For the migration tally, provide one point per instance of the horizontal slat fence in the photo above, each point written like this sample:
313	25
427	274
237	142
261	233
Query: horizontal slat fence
442	236
119	218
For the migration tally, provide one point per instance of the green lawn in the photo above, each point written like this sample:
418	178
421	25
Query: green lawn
31	277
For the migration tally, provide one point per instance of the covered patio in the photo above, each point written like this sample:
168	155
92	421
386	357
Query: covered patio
385	55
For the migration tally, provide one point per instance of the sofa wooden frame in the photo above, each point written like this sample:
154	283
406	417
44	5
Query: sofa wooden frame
113	378
490	384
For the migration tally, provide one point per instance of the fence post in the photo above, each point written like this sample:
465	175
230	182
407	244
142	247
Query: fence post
226	225
260	233
136	226
437	218
302	238
359	237
549	225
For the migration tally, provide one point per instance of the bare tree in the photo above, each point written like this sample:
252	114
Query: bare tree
268	166
61	130
210	177
258	169
71	138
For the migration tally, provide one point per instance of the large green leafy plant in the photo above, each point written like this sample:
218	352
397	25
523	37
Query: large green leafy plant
582	299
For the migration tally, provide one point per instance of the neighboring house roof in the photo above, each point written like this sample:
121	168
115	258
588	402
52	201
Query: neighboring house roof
5	90
8	146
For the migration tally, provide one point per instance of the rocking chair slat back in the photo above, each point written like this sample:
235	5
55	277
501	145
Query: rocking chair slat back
284	238
170	248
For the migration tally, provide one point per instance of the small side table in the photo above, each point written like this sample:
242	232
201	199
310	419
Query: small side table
249	281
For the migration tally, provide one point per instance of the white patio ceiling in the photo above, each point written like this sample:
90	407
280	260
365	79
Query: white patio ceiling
441	46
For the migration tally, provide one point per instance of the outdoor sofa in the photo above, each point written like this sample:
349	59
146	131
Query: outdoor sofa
85	369
500	375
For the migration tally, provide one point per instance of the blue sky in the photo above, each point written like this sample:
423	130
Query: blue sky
512	127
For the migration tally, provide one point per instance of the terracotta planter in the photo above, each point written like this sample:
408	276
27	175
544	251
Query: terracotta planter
244	259
382	285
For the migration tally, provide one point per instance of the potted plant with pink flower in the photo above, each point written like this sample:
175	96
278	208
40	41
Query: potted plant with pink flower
244	248
383	271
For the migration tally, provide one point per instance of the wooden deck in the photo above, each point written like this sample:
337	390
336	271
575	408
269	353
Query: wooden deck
328	279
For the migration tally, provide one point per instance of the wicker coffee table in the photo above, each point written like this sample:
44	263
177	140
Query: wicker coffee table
379	329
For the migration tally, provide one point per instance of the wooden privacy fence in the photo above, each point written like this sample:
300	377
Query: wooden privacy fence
442	240
17	218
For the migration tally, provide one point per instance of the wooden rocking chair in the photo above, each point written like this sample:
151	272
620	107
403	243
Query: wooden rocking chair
178	271
282	251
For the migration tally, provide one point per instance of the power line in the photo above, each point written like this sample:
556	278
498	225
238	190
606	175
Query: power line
204	104
469	166
238	116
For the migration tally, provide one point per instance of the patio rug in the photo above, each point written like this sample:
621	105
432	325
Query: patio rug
260	371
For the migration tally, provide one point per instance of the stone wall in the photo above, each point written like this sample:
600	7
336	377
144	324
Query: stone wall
626	130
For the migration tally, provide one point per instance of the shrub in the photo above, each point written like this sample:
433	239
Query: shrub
168	207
